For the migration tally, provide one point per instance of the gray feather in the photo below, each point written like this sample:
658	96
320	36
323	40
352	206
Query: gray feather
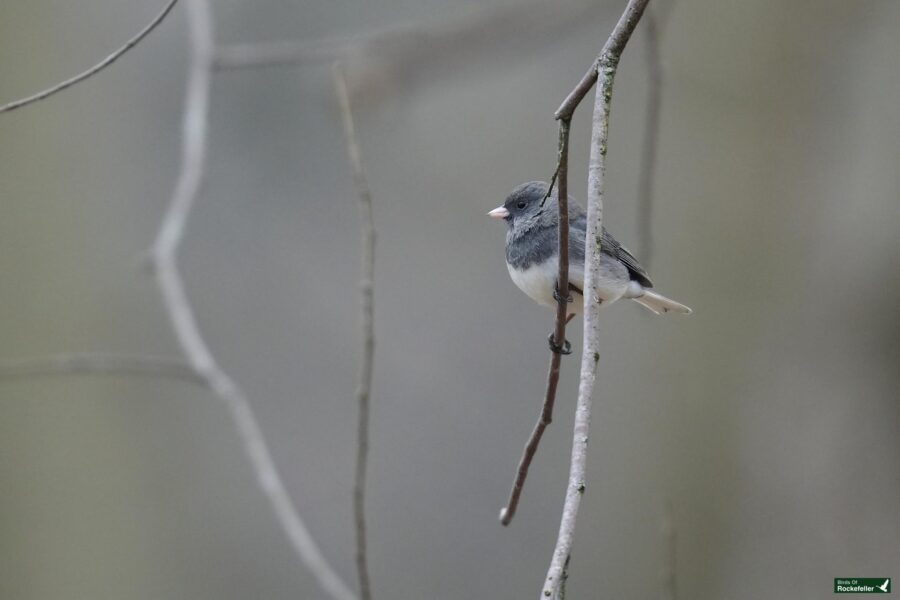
532	235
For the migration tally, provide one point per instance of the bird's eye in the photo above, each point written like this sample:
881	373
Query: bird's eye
520	205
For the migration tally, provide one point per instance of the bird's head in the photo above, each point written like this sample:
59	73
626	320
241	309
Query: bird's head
525	204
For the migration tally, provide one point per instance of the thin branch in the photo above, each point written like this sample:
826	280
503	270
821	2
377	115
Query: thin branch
284	54
367	320
561	177
610	55
650	144
604	67
564	114
184	323
96	68
420	46
670	545
98	364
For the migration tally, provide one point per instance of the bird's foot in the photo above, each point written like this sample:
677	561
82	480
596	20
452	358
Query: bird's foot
558	296
564	349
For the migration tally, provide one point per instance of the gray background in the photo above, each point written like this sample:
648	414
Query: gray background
768	418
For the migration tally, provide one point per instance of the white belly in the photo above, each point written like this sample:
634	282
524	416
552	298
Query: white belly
539	281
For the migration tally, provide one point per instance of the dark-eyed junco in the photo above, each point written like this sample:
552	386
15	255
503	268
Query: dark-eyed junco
532	254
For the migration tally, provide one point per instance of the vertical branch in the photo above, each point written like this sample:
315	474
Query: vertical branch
565	578
562	278
670	544
650	144
164	255
366	289
604	69
561	177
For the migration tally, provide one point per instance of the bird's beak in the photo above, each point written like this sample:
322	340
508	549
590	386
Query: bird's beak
499	213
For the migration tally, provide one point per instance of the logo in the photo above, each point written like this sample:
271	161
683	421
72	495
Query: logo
862	585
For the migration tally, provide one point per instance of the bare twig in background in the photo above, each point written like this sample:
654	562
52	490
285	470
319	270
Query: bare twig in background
561	177
381	65
96	68
367	313
184	323
415	45
603	68
98	364
669	535
284	54
650	145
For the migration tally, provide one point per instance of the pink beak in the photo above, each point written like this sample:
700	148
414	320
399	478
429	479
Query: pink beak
499	213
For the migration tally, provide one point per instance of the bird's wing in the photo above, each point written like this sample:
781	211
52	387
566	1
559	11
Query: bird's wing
609	245
614	248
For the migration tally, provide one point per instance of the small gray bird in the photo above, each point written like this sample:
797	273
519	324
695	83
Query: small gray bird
532	254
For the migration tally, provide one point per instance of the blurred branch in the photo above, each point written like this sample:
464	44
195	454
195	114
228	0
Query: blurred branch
184	323
670	544
421	44
367	314
561	177
283	54
380	65
650	145
603	68
98	364
96	68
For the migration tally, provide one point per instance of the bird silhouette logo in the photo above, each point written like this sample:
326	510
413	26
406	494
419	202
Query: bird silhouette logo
886	586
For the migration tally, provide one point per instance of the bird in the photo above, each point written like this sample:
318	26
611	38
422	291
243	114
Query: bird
531	214
884	586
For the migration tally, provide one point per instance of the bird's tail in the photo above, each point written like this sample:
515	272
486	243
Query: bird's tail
660	304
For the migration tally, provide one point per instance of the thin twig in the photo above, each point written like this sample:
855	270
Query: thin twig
561	177
604	67
367	320
184	323
610	55
288	53
98	364
419	46
650	149
670	547
96	68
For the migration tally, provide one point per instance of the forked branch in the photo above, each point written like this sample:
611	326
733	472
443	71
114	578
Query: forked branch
164	255
604	69
564	115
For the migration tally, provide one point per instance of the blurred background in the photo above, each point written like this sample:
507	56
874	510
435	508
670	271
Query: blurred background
768	419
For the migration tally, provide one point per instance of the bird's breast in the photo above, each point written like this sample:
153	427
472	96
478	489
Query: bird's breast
537	280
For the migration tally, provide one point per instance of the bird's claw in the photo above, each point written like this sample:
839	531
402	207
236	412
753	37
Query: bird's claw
565	349
558	296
